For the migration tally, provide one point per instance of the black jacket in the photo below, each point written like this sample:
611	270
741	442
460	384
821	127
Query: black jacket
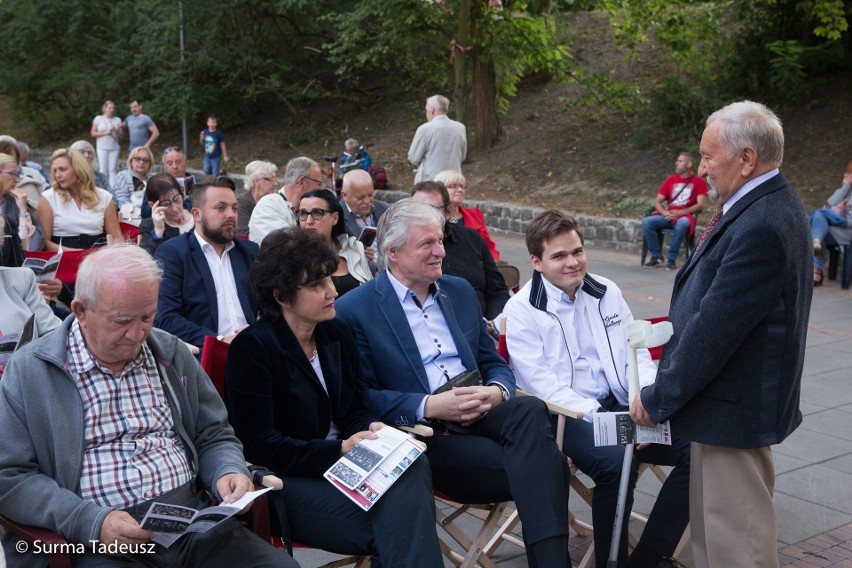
277	405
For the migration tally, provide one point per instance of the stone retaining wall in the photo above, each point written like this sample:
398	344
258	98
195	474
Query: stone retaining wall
603	232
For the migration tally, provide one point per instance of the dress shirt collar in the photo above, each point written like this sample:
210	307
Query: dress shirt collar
556	295
747	186
402	291
205	246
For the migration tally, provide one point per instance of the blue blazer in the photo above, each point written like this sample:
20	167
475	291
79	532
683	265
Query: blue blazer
390	360
731	374
186	306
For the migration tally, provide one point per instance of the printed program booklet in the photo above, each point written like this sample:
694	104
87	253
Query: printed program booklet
170	522
613	428
368	470
44	269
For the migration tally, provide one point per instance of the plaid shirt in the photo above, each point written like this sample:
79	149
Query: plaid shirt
131	451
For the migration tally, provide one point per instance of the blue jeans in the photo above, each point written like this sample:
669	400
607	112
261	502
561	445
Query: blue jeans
211	165
653	223
820	220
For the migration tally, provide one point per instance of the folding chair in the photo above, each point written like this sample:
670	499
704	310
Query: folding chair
839	247
48	539
68	264
214	359
511	275
129	231
688	243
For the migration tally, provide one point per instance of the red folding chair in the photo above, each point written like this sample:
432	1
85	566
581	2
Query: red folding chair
68	264
129	231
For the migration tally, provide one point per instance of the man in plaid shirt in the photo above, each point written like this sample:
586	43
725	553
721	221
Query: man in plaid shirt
104	415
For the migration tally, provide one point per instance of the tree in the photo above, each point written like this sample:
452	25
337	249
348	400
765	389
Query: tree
506	40
760	48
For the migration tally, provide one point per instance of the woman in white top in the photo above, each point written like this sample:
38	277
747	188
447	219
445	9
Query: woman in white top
73	211
320	211
106	129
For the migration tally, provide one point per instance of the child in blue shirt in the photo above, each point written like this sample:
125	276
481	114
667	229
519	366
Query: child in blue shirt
214	146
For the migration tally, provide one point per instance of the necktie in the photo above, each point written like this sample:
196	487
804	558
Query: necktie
709	228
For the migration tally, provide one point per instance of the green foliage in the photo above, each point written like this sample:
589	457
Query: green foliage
787	74
65	58
633	206
404	36
683	107
602	90
519	41
727	49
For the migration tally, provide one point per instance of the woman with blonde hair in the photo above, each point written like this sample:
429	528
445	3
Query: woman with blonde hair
73	212
132	180
469	217
106	128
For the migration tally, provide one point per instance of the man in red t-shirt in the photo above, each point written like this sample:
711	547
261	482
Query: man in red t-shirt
681	197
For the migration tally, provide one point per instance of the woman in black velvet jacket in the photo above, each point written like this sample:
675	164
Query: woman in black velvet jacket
297	401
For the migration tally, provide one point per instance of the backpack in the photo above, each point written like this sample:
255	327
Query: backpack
380	177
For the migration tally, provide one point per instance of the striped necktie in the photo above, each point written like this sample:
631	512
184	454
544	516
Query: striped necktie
710	224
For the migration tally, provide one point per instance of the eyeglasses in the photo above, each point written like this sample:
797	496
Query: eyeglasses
13	173
457	186
270	179
171	149
176	200
316	214
141	160
319	182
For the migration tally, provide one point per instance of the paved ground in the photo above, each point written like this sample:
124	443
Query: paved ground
814	486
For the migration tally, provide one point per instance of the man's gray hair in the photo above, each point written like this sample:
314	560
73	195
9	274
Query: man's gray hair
394	228
298	167
747	124
7	138
351	143
124	262
81	145
440	103
258	169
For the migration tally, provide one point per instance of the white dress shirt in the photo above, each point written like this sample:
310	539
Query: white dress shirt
231	317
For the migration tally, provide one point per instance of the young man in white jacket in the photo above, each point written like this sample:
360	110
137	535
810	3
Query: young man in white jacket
566	331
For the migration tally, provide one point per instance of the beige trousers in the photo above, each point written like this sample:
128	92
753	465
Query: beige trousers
731	509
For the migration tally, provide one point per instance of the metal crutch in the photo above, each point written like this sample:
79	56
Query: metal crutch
640	335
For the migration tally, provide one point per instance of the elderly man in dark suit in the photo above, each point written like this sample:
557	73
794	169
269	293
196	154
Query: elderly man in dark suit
415	330
360	208
205	288
730	377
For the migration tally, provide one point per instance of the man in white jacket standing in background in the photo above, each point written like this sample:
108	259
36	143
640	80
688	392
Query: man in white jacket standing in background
566	331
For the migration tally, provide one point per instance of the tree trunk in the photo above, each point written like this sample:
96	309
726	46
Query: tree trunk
462	88
485	102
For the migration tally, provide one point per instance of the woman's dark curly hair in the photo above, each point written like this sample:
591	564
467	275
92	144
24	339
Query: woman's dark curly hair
287	260
334	206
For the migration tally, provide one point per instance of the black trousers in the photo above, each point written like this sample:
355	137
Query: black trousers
670	514
398	531
510	454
